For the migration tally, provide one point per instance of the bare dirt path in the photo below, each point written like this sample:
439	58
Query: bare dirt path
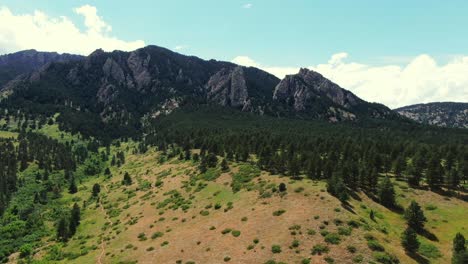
103	243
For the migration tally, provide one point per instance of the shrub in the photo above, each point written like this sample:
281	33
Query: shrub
26	250
276	249
244	219
311	232
295	243
279	212
226	230
374	245
235	233
329	260
156	235
142	237
204	213
429	250
351	249
358	259
319	249
332	238
150	249
385	258
353	223
227	258
305	261
299	189
256	240
165	243
344	231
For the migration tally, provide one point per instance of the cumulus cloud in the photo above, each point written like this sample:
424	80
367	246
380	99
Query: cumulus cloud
39	31
247	6
421	80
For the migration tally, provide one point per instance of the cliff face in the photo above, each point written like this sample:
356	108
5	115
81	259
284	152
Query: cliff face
446	114
309	90
123	86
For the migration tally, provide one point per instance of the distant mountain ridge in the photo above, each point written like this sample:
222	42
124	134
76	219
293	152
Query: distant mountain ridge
443	114
124	87
25	62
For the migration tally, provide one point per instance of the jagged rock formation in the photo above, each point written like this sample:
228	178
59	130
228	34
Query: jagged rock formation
444	114
123	87
309	90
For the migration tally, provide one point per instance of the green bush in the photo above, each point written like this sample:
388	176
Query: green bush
344	231
157	235
358	259
333	238
385	258
351	249
235	233
319	249
374	245
276	249
429	250
226	230
279	212
295	243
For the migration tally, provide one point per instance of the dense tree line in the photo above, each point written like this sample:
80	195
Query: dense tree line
344	154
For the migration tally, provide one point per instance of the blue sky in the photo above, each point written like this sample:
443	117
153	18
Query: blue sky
300	32
394	52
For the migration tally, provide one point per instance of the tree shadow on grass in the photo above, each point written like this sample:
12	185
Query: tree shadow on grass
348	207
418	258
427	234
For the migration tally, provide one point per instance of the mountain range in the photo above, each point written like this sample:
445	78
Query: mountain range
120	89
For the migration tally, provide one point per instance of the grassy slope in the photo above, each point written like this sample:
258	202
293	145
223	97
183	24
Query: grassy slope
124	212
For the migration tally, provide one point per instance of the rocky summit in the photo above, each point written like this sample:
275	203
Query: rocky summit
445	114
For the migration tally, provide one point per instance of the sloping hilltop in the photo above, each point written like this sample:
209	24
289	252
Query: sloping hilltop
156	207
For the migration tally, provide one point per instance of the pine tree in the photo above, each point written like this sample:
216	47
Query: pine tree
62	230
75	216
224	165
453	178
409	240
72	188
386	193
399	166
460	254
96	189
282	187
127	180
337	188
414	216
459	243
434	172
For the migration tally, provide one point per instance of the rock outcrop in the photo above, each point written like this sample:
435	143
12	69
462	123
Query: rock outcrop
444	114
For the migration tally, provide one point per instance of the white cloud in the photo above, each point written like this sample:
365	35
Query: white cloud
181	47
41	32
421	80
247	6
245	61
